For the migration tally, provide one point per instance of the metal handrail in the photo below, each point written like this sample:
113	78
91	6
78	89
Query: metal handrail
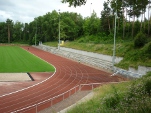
51	99
35	105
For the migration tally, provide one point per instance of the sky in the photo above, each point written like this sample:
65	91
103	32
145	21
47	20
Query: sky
26	10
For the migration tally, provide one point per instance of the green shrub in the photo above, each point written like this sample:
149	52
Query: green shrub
149	47
82	40
148	74
147	86
112	100
147	50
140	40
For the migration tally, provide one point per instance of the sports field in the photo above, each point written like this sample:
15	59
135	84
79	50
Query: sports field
14	59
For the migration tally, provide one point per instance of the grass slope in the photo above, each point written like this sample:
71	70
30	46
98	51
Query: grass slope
132	57
15	59
128	97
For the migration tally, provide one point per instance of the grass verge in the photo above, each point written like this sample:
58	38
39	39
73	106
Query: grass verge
129	97
15	59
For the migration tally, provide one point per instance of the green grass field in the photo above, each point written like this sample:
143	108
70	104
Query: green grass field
15	59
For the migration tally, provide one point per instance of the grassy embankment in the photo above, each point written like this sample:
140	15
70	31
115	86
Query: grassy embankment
132	57
128	97
15	59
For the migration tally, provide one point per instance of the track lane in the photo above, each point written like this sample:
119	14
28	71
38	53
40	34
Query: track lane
68	74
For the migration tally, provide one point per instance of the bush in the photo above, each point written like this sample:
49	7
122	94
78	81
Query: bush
147	50
148	47
140	40
112	101
82	40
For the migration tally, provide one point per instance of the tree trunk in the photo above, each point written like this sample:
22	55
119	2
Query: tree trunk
8	34
113	24
141	21
109	25
118	26
129	25
123	25
144	21
149	18
133	26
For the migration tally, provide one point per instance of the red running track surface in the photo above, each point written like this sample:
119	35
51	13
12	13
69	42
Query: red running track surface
68	75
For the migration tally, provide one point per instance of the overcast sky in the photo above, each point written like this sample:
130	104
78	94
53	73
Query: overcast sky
26	10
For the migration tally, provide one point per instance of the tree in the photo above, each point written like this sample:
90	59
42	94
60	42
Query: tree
3	32
17	31
137	7
9	23
105	17
26	32
75	2
70	25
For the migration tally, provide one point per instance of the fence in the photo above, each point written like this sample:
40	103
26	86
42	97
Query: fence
48	103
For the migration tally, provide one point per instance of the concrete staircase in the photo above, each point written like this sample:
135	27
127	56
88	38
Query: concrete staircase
81	56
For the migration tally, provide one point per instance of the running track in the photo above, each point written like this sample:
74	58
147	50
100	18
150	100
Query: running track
68	75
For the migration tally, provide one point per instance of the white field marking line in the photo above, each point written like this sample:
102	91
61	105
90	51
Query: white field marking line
29	86
115	73
34	84
103	83
64	76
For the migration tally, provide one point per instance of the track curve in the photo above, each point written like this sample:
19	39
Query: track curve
68	75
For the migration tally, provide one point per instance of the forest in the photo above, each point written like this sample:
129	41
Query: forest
130	16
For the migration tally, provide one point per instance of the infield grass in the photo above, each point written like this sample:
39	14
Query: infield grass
15	59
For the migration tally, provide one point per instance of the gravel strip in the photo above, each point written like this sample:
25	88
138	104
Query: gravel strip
12	77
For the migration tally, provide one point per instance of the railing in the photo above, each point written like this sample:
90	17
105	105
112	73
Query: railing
49	102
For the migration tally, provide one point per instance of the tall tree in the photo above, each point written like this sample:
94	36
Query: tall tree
137	7
116	6
26	32
17	31
106	17
9	23
3	32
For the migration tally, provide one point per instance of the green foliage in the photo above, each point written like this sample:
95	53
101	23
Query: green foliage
112	100
73	25
140	40
101	96
15	59
130	97
147	50
132	57
75	3
135	57
52	44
